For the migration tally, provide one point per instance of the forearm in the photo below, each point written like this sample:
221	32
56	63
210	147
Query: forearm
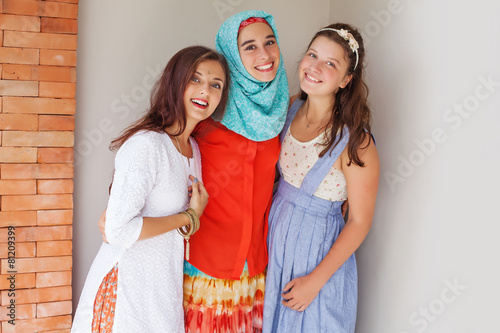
154	226
349	239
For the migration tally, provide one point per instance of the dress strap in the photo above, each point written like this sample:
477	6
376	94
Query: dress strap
321	168
292	111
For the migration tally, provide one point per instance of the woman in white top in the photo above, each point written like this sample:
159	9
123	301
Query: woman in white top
135	282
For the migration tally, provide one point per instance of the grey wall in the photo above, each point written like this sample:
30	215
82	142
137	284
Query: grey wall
430	262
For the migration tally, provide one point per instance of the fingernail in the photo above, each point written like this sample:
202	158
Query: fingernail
195	180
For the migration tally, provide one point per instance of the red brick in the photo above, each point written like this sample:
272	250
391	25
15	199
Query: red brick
67	1
20	72
57	74
36	202
56	9
32	265
11	55
55	155
38	139
41	8
24	218
57	57
54	217
36	171
55	123
16	122
54	186
21	7
19	23
53	248
37	40
38	325
30	234
23	250
18	88
23	281
57	89
38	105
53	279
17	186
53	309
25	311
57	25
17	155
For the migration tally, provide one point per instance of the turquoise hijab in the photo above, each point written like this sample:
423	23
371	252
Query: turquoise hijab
255	109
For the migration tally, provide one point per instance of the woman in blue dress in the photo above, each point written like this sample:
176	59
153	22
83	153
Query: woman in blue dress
327	155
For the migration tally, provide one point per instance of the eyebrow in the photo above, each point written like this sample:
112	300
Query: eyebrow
215	78
247	42
338	62
253	40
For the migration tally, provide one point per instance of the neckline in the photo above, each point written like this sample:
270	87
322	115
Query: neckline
177	151
191	161
305	142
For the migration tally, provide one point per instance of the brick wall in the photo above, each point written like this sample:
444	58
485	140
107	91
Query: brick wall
37	106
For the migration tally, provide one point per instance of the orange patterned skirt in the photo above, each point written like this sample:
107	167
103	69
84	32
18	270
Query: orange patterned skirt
104	304
223	306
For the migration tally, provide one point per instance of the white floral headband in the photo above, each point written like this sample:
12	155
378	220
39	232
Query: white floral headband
350	38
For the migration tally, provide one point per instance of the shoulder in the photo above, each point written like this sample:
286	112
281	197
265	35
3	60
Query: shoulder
293	98
142	142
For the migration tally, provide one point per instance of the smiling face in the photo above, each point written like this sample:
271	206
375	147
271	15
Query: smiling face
259	51
323	69
203	92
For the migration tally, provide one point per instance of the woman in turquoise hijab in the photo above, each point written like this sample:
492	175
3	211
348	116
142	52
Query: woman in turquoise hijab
224	277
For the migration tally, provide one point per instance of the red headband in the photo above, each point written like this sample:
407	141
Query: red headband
251	20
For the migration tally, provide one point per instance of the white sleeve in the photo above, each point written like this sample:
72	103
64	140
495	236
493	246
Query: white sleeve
136	166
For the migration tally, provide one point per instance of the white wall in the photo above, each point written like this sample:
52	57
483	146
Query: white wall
436	221
122	45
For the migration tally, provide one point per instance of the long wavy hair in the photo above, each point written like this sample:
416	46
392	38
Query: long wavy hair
351	107
167	102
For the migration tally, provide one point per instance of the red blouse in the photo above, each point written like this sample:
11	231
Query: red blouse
238	174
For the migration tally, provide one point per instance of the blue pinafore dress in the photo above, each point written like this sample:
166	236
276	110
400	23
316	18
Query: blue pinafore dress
302	229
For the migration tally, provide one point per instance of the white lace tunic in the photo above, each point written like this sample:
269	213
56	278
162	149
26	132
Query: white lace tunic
297	158
149	180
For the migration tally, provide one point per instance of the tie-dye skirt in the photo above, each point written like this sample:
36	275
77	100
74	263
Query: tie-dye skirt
223	306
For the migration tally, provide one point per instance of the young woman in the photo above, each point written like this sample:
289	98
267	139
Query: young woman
327	155
135	282
225	276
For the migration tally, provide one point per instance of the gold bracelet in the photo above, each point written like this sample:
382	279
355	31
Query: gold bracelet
188	230
195	217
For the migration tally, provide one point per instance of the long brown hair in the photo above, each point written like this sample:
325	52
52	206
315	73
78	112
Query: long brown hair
167	103
351	107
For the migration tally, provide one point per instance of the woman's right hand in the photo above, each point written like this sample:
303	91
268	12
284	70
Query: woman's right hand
199	196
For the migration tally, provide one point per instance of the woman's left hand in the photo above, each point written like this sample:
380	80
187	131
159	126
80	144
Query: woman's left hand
301	292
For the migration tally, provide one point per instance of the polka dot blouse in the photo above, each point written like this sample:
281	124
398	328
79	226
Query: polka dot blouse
297	158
